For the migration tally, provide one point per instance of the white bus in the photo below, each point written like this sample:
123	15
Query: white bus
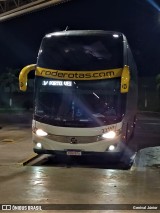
85	93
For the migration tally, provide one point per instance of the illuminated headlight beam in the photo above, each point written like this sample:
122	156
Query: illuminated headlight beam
109	135
40	132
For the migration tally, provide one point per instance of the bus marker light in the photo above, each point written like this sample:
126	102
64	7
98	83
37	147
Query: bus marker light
115	35
40	132
110	134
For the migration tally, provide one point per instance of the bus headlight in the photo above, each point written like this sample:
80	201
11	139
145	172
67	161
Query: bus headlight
110	134
40	132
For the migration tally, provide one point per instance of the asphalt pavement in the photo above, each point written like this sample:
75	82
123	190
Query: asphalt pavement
21	185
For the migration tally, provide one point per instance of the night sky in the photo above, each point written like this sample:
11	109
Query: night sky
139	20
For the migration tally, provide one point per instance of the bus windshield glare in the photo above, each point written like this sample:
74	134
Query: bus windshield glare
79	103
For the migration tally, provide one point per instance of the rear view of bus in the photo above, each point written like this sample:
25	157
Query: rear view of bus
85	93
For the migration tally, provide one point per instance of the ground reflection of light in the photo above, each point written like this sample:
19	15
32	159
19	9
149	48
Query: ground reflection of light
38	173
37	187
154	4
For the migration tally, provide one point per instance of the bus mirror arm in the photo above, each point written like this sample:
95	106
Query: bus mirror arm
23	76
125	79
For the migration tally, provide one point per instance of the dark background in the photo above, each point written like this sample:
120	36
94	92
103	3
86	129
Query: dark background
139	20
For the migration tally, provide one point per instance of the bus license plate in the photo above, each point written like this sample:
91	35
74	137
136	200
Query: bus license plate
75	153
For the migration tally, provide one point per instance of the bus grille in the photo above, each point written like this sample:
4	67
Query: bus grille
74	139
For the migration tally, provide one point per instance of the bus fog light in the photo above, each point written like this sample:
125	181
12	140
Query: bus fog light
39	145
40	132
110	134
111	148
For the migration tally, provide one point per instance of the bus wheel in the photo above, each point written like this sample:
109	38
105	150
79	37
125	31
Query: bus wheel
126	166
126	162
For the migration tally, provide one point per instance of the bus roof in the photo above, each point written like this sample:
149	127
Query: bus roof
84	32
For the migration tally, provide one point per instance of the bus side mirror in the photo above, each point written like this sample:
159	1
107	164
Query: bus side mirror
23	76
125	79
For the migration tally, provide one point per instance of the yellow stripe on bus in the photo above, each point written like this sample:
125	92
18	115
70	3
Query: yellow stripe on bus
79	75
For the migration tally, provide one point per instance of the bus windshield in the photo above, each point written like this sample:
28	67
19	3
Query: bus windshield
79	103
81	52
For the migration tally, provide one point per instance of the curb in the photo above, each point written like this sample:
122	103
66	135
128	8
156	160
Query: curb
29	159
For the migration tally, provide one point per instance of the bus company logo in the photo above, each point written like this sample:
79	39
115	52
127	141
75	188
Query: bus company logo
74	140
79	75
